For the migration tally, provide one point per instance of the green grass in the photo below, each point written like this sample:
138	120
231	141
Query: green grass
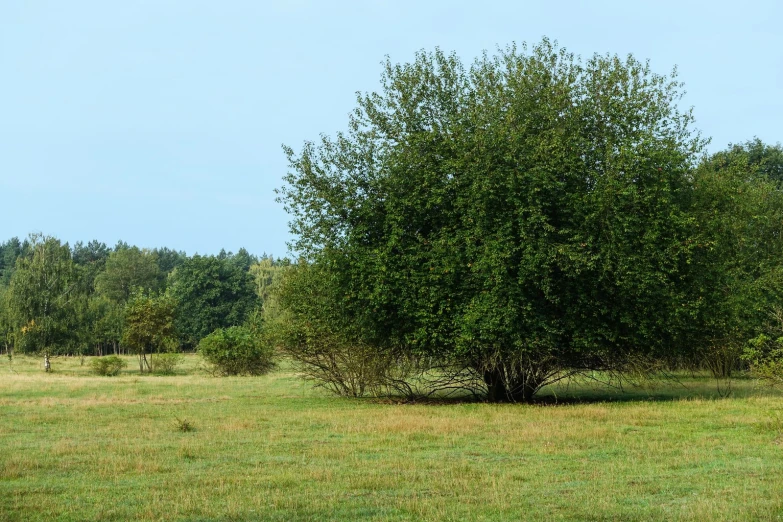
79	447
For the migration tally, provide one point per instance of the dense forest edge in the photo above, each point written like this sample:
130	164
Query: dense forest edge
91	299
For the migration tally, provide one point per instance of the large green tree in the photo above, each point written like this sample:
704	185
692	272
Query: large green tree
524	216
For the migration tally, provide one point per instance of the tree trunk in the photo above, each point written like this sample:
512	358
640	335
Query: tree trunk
496	390
521	389
524	392
144	362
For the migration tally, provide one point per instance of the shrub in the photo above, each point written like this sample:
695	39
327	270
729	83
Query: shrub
108	365
184	425
237	350
764	353
765	357
328	349
722	359
166	363
345	368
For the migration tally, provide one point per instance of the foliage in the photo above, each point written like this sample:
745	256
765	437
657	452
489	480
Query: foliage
44	297
168	260
334	354
9	252
765	357
267	273
764	353
127	270
323	347
236	350
149	325
166	363
91	261
98	315
736	270
525	217
765	160
106	322
243	260
211	293
100	280
109	365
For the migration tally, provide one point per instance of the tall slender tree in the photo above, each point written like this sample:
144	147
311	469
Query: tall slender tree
44	297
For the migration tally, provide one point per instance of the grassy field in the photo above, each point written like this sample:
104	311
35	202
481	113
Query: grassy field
79	447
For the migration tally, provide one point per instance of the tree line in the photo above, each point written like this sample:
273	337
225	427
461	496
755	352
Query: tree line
91	299
493	227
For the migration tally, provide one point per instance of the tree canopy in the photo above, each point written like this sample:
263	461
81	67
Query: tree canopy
128	269
760	158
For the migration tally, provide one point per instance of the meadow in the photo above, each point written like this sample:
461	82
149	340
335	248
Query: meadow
74	446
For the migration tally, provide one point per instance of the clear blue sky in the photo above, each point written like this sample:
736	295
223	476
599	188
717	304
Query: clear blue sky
159	122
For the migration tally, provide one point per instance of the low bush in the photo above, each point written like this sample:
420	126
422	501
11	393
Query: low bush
166	363
108	365
238	350
330	348
346	368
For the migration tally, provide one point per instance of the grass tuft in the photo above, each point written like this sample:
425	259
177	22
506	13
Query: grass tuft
184	425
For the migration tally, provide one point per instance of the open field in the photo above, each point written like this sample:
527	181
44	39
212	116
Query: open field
80	447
